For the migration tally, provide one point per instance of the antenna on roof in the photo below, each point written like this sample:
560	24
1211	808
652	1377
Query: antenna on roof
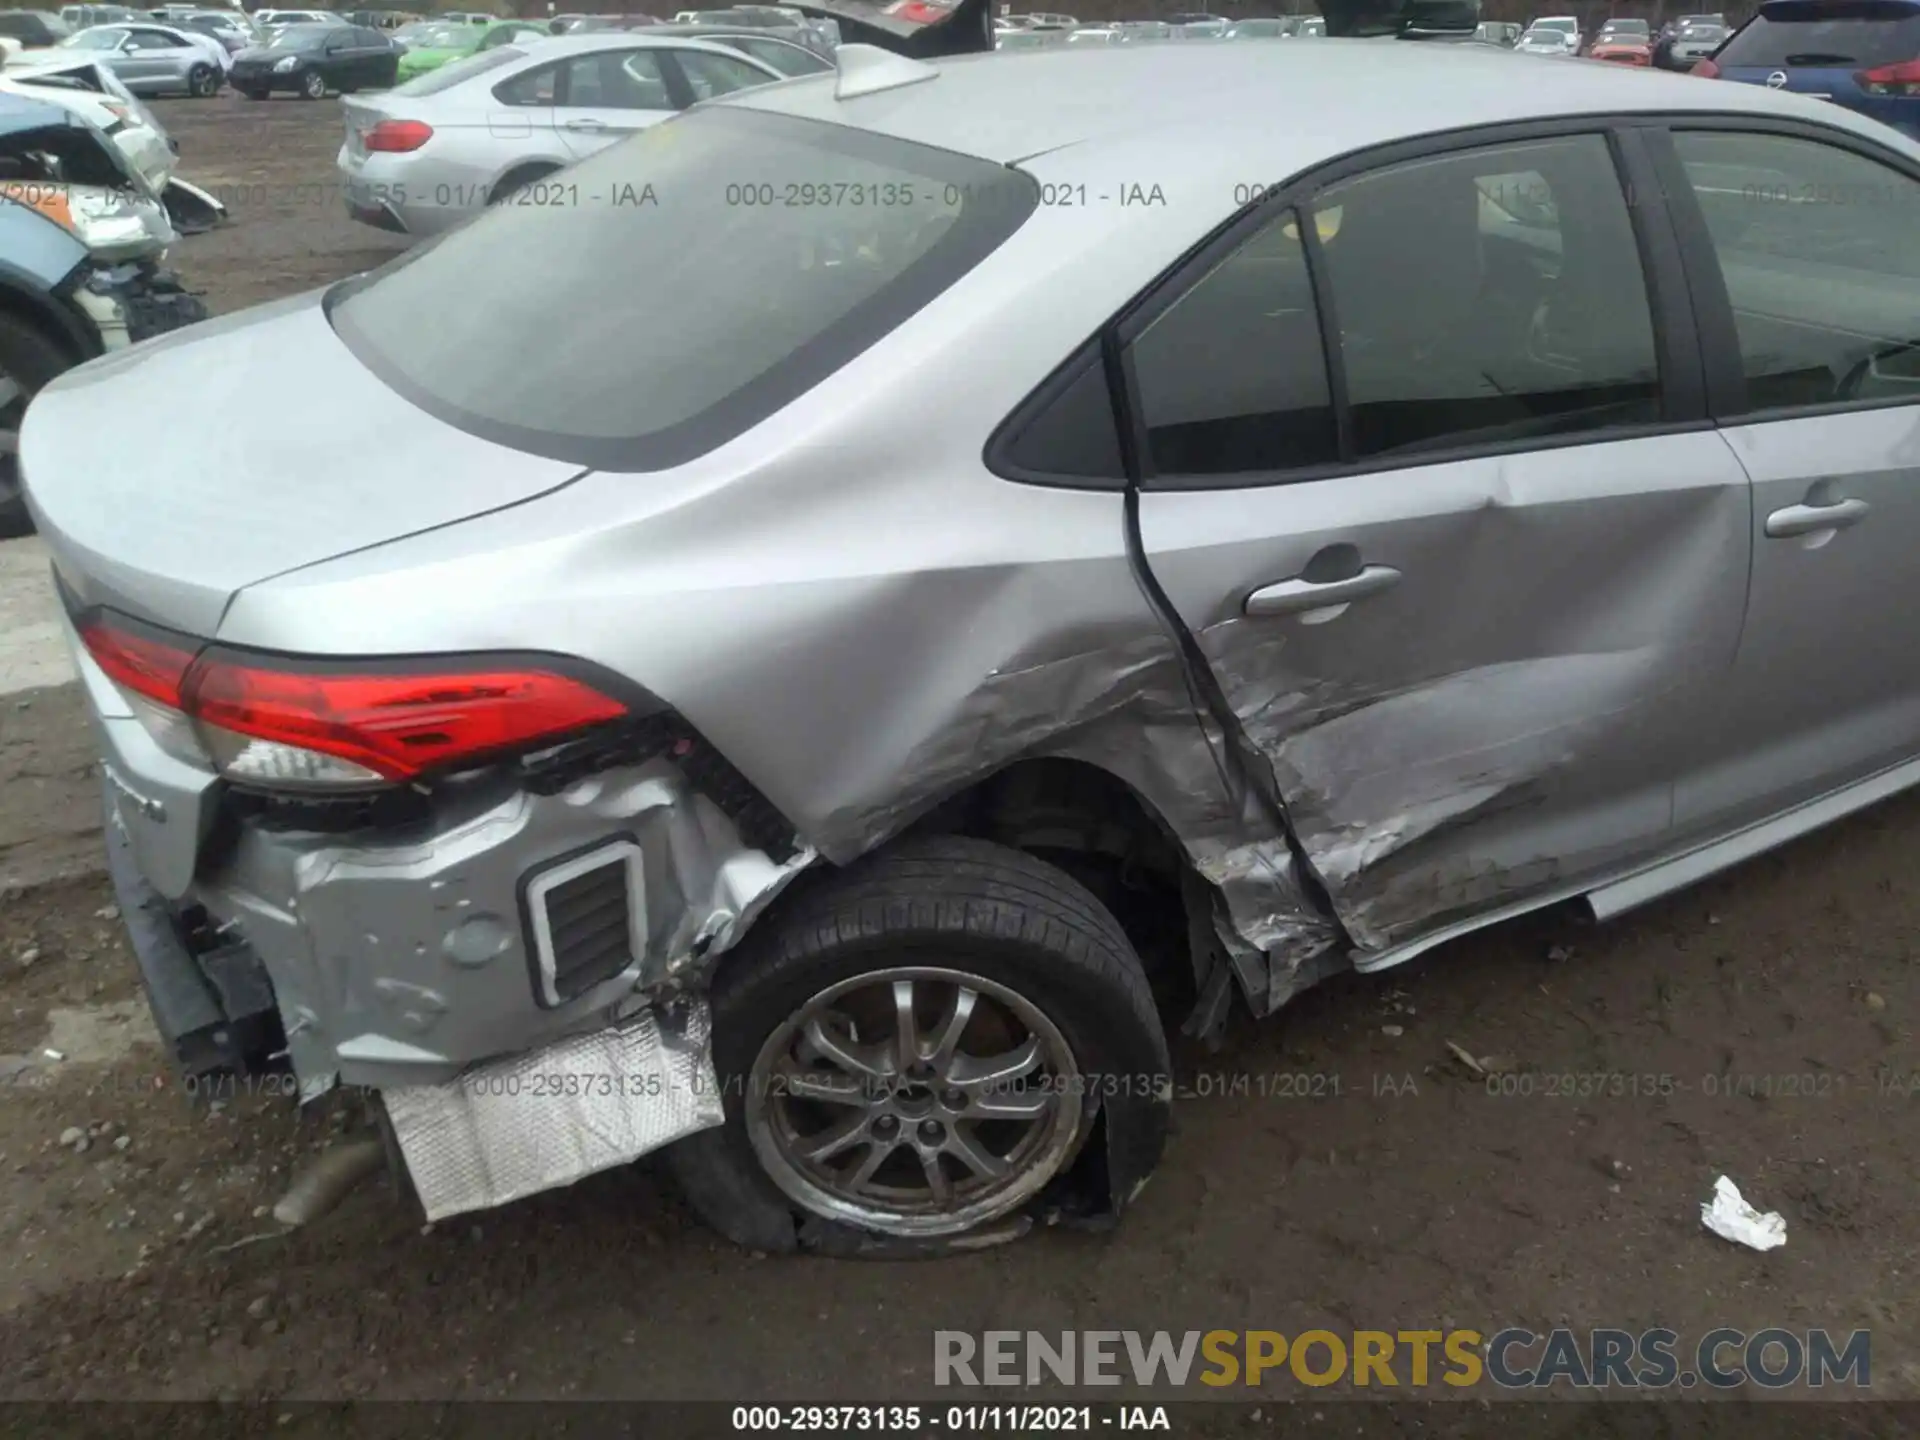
867	70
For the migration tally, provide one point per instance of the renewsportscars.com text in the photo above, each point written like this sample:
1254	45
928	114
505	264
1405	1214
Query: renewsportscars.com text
1512	1359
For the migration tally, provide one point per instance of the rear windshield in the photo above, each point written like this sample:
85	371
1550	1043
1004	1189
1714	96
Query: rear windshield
1818	33
456	72
683	284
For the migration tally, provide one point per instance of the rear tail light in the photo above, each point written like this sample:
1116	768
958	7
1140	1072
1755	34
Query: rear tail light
1706	70
398	136
1902	81
276	723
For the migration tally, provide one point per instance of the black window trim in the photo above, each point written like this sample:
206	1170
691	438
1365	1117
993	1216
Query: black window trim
1727	398
1676	345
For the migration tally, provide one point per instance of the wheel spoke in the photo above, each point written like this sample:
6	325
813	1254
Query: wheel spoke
965	1145
906	1037
867	1062
825	1087
825	1144
937	1181
952	1025
1011	1105
9	391
876	1156
9	442
977	1071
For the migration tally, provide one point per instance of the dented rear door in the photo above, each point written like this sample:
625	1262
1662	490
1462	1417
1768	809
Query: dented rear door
1469	655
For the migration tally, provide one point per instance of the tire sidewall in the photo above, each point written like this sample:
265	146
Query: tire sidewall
201	83
34	360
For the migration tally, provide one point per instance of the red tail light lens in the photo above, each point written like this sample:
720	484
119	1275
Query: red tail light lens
145	664
398	136
1706	70
273	722
396	725
1899	81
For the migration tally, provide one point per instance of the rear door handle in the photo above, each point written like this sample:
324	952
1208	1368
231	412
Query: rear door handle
1812	519
1291	597
585	125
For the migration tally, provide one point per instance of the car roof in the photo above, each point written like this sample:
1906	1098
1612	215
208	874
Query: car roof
601	39
1234	100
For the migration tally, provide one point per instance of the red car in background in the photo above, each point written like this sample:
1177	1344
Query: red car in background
1624	50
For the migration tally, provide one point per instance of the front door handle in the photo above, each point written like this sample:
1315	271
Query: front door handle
1812	519
586	125
1291	597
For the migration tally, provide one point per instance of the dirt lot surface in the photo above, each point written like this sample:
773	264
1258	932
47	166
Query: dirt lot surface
1356	1176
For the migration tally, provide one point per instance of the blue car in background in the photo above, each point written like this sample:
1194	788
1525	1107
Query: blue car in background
1863	54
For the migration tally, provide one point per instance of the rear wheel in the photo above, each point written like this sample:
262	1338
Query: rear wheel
28	360
203	81
313	85
918	1048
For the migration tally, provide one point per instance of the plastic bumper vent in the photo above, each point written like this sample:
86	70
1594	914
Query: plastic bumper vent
587	919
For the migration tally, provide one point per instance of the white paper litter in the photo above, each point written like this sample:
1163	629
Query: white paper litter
1732	1218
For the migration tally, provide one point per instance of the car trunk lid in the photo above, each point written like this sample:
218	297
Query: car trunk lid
282	450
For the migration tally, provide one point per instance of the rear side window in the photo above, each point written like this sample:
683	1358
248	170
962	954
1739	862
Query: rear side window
455	72
1525	314
1520	314
680	302
1822	33
1817	248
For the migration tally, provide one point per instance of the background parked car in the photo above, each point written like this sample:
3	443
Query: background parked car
1688	41
81	17
93	223
157	59
430	48
783	52
1860	54
230	27
310	60
34	29
426	155
1622	30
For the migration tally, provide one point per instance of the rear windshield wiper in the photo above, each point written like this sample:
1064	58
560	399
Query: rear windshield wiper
1820	57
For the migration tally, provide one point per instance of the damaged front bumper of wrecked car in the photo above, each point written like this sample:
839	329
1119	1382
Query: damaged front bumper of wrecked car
520	976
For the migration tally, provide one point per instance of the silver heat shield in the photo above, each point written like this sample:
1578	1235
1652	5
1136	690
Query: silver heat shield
553	1116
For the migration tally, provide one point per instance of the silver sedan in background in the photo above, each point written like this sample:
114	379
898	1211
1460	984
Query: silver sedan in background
157	59
424	156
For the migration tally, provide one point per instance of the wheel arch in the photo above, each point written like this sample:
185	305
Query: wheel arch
522	172
1098	828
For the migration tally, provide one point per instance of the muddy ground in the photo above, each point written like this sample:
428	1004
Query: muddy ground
1361	1178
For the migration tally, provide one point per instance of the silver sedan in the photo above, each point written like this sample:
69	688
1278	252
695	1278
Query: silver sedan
745	658
157	59
475	132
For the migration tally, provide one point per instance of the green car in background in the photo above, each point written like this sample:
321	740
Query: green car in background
432	43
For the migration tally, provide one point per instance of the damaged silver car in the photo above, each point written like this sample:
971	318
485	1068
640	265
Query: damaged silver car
788	689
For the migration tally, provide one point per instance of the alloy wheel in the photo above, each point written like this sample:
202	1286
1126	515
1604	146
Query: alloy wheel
914	1101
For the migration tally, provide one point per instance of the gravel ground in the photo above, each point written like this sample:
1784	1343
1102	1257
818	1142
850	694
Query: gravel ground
1381	1186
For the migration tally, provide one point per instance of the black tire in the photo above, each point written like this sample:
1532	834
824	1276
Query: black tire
995	912
515	181
30	359
203	82
313	86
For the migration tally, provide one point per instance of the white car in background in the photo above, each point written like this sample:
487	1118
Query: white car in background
1551	35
